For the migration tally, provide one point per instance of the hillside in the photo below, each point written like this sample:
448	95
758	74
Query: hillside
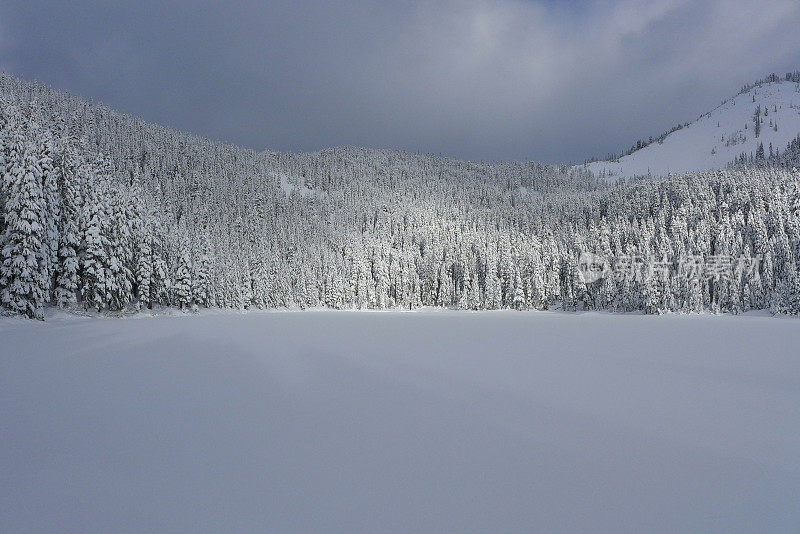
102	212
718	137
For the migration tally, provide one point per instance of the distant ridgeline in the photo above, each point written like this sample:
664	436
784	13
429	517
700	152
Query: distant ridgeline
743	158
105	212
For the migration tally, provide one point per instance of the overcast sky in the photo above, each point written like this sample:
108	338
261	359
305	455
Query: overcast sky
494	79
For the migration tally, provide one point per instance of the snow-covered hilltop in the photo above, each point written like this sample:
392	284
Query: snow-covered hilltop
720	136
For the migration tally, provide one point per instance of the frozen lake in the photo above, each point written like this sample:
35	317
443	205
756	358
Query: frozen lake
400	422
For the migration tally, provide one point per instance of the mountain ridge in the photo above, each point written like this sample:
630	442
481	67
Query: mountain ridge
718	137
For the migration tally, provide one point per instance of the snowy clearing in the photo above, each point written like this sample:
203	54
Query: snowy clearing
290	185
400	422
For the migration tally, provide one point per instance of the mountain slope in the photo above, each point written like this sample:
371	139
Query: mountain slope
717	138
105	212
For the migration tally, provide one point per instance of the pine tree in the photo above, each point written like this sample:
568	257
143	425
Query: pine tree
22	270
69	241
51	212
492	298
518	301
121	266
182	287
470	294
160	283
203	282
94	268
144	269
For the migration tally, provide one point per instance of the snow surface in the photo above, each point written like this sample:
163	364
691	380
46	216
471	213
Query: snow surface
290	185
400	422
690	149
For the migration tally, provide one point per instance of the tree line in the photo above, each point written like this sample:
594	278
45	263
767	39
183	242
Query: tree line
103	211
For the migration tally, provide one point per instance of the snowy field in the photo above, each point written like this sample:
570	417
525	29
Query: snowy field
400	422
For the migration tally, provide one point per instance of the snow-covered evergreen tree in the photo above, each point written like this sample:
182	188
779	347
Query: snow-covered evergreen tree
144	269
96	287
182	287
66	283
23	271
51	212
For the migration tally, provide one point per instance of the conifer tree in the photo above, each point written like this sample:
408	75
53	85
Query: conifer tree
66	286
51	212
22	271
94	261
144	269
182	286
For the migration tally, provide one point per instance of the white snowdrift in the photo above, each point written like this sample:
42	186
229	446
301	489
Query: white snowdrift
400	422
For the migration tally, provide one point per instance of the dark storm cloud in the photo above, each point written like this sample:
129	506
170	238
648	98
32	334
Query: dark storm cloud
474	79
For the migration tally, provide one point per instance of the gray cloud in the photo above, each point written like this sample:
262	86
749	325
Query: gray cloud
479	79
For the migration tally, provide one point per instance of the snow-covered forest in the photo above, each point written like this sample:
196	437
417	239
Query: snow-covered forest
103	211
